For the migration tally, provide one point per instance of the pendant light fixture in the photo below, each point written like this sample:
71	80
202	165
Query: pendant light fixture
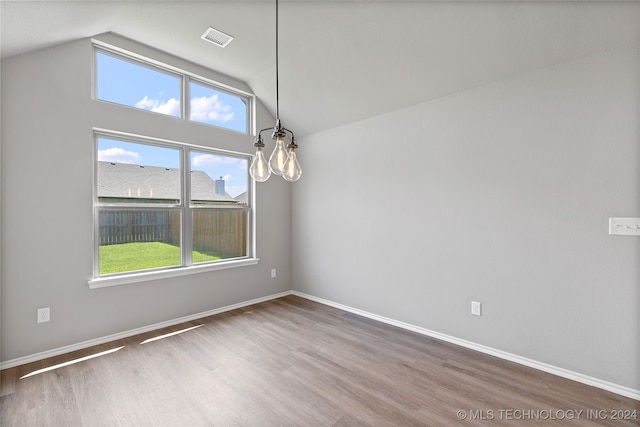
283	160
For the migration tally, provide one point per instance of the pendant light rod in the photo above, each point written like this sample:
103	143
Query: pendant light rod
277	76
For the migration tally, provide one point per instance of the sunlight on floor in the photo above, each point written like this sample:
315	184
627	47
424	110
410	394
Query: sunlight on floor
170	335
71	362
93	356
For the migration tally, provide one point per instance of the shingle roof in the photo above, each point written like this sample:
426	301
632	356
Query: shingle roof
203	188
243	198
126	181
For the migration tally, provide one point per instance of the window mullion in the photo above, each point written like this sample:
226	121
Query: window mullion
187	217
186	98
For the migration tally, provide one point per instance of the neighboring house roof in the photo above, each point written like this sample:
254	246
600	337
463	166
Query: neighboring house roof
243	198
203	188
127	181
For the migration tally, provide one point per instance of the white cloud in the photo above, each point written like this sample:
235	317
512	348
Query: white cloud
119	155
170	106
210	108
227	177
202	160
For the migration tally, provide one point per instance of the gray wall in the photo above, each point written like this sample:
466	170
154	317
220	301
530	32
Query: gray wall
47	249
499	194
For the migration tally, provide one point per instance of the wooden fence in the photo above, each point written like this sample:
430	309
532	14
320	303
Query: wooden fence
223	232
134	226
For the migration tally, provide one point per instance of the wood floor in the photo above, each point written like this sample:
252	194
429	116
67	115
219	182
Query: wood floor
293	362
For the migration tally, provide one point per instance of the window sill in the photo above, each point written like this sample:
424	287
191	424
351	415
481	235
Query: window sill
103	282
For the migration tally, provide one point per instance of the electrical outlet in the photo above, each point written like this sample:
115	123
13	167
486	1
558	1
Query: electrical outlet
624	226
44	314
476	308
273	273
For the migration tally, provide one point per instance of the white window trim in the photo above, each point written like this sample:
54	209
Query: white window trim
97	282
145	276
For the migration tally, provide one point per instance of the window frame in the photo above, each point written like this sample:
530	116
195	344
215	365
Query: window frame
185	207
186	78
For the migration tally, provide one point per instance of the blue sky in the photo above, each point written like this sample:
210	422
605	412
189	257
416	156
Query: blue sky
138	86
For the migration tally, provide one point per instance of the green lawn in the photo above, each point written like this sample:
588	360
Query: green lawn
142	256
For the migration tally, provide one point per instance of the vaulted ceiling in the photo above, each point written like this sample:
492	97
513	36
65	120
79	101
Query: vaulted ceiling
341	61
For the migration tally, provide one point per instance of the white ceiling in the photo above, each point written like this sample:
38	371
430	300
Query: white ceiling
341	61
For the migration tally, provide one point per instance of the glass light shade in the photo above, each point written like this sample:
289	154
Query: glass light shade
292	169
259	168
278	157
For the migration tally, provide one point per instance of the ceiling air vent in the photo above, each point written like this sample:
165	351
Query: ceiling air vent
217	37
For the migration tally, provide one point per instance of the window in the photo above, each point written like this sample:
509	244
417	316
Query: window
162	205
218	194
135	83
164	208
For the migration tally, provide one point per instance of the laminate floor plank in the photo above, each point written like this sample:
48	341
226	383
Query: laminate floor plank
294	362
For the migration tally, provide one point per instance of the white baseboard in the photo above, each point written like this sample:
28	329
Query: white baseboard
561	372
102	340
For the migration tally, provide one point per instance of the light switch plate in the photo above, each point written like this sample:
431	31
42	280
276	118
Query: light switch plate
476	308
624	226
